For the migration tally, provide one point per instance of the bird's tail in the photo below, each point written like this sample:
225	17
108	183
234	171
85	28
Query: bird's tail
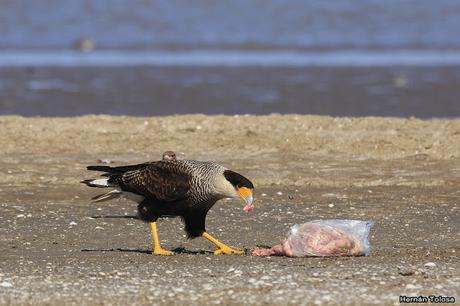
107	196
101	183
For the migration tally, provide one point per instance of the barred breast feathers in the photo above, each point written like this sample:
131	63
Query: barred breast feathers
206	180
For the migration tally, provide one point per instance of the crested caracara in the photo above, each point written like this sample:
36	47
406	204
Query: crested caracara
171	187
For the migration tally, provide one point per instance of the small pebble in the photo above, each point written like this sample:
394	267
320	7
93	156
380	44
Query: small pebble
406	272
104	161
331	205
207	287
411	286
430	265
72	223
6	284
279	193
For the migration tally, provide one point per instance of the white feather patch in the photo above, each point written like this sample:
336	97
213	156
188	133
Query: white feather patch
101	182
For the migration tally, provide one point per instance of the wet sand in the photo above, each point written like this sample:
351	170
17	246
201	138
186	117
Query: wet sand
57	248
395	91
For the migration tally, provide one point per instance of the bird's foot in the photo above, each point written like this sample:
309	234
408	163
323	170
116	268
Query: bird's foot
228	251
161	251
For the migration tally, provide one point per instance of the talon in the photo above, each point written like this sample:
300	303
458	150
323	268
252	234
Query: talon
228	251
223	248
157	249
161	251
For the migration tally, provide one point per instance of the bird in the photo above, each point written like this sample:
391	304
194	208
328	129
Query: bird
175	188
169	155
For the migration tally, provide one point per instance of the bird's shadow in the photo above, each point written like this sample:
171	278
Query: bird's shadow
179	250
115	217
143	251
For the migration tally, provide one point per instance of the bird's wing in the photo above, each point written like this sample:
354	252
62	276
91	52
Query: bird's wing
109	171
164	181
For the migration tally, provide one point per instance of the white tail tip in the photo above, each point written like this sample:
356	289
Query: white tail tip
100	182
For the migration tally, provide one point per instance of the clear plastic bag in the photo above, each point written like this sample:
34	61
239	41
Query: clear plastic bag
324	238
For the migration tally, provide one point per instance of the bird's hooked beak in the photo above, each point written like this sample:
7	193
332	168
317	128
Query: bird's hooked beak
246	194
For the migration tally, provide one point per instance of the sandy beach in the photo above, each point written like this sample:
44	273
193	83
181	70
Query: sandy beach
58	248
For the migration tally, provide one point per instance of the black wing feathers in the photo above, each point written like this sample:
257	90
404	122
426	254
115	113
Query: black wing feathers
163	181
117	170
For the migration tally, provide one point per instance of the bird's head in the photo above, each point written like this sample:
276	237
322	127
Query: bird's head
169	155
239	187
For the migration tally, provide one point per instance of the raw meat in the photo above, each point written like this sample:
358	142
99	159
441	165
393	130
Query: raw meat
324	238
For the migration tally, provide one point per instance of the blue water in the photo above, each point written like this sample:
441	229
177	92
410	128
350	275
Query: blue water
240	24
230	58
341	58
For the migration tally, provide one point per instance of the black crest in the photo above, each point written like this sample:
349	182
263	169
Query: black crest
237	179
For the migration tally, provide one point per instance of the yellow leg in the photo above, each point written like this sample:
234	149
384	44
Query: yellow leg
223	248
157	249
